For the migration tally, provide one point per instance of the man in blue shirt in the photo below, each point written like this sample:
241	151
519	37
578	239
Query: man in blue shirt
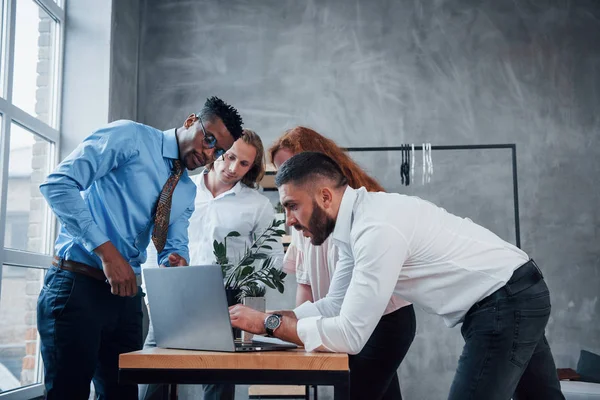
124	184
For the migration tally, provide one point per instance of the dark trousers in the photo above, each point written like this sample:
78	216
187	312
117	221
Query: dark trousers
83	329
506	354
373	371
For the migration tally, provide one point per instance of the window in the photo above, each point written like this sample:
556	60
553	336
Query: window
30	70
26	211
34	60
20	362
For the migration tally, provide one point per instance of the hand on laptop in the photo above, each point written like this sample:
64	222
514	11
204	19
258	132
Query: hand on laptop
247	319
175	260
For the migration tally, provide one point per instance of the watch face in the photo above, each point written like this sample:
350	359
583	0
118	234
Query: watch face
272	322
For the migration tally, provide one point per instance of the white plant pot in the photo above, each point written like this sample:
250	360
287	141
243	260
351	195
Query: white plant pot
258	304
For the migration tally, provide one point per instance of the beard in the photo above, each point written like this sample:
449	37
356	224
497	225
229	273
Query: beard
320	225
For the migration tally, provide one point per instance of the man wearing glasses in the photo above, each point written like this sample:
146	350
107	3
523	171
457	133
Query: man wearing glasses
123	185
227	200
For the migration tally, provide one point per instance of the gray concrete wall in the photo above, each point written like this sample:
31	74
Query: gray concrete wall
101	67
86	75
383	73
124	60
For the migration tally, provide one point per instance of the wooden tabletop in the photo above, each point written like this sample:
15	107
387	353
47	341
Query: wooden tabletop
296	360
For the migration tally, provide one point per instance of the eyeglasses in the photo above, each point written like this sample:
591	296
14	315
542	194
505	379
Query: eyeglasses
211	141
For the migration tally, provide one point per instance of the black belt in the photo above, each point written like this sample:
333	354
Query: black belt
523	278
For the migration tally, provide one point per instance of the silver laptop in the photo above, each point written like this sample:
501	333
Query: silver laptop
188	309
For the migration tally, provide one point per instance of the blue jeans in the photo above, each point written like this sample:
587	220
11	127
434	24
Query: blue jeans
506	354
155	391
83	329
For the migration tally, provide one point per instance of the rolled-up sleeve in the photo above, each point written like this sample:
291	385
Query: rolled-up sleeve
378	253
289	259
294	260
97	155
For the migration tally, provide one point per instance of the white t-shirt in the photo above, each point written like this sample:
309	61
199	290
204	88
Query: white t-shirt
403	245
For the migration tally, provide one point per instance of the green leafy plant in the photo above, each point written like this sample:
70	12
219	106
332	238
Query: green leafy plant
254	267
279	208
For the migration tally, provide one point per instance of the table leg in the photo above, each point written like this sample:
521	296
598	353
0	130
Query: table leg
341	391
173	392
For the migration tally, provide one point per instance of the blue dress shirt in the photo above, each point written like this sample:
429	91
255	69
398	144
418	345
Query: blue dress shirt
107	189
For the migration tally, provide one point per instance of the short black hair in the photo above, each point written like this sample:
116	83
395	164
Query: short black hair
308	166
215	107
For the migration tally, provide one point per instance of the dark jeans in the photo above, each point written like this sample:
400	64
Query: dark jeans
155	391
373	371
83	329
506	354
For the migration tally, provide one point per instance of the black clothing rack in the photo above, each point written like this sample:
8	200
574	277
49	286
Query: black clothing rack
511	146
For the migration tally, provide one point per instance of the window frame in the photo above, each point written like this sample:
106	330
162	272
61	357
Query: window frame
12	114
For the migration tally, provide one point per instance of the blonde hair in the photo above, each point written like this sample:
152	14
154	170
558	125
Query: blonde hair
257	171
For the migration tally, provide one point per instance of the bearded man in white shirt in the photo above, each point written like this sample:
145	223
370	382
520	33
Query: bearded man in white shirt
373	371
226	200
449	266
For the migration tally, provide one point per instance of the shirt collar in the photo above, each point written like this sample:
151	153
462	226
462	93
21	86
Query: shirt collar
170	148
343	223
233	191
236	189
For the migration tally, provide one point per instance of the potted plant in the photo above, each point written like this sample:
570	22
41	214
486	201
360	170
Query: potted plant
280	215
246	280
249	277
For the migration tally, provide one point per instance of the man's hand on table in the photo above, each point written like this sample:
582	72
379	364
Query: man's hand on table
250	320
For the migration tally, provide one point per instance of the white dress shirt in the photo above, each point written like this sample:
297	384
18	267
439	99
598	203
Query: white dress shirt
241	209
315	266
403	245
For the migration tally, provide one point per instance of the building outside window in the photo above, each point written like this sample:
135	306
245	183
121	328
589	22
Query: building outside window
31	47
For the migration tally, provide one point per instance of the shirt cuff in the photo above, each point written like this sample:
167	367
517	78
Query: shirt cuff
94	237
308	332
306	310
302	280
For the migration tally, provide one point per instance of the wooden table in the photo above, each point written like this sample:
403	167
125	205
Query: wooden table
291	367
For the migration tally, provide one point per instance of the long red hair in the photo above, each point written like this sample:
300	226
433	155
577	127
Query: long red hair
301	139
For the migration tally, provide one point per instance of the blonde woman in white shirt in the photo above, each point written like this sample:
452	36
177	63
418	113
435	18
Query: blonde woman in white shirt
226	200
374	370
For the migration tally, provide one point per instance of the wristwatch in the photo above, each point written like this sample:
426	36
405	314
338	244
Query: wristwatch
272	322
